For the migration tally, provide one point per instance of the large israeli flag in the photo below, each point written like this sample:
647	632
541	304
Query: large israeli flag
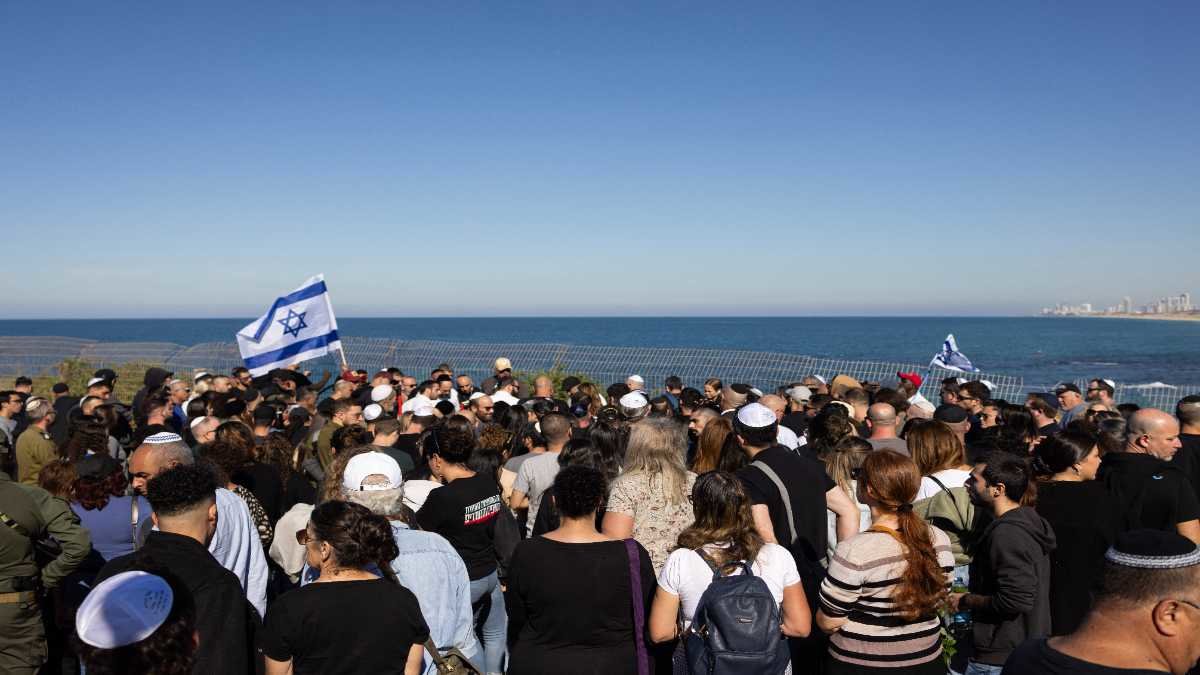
298	327
952	359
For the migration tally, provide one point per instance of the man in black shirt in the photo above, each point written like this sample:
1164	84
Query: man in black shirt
799	523
755	426
1188	457
1144	620
185	511
1153	493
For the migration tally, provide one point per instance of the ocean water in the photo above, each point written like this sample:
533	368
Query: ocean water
1041	350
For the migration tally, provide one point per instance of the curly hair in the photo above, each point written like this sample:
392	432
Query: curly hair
579	491
348	437
169	650
87	435
893	481
94	492
495	437
358	536
722	515
226	457
454	440
181	488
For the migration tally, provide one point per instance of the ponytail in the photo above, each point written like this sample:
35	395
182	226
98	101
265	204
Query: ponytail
923	584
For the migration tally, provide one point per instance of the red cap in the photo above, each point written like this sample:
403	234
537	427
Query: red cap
911	377
351	376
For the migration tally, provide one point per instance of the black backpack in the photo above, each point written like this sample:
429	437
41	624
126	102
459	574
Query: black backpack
736	627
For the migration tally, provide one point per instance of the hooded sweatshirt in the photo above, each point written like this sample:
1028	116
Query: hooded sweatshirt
1012	568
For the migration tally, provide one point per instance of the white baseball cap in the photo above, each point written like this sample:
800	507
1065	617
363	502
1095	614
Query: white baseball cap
370	464
800	394
381	393
503	363
123	609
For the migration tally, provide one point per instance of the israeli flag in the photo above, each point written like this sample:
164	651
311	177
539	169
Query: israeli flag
298	327
952	359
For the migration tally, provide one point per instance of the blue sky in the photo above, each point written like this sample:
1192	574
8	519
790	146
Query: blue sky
597	158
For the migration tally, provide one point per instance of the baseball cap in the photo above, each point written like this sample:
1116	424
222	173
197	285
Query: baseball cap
502	363
381	392
1066	386
98	380
914	378
950	414
369	464
755	416
123	609
106	374
800	394
842	384
96	465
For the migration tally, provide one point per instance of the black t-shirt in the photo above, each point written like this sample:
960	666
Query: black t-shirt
298	490
1188	459
264	482
807	483
344	627
796	421
570	607
403	459
407	443
464	512
1153	494
1037	656
1086	519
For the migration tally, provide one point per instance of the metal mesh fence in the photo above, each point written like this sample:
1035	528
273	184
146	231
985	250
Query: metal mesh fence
604	365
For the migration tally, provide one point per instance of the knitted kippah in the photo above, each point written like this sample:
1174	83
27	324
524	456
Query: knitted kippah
1153	550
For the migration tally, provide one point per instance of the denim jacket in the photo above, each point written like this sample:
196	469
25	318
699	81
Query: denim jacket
430	567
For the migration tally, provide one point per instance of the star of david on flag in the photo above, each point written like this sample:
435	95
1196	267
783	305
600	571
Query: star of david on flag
952	359
299	326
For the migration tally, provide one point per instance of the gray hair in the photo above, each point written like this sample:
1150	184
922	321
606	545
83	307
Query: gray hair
175	452
386	503
37	408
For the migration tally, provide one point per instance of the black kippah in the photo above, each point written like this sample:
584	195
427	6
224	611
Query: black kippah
1153	549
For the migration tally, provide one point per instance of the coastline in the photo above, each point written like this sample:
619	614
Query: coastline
1143	317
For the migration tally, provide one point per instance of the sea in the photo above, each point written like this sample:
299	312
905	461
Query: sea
1042	350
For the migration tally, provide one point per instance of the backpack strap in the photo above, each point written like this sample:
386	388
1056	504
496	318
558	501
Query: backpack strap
134	515
961	518
639	611
783	494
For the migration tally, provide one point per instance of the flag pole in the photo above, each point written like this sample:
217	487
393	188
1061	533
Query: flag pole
342	353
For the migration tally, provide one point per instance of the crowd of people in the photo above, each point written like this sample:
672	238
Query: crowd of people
384	522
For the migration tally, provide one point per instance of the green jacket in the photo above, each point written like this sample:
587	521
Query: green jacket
324	444
31	513
952	512
35	449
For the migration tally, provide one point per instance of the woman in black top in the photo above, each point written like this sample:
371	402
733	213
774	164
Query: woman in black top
1085	518
465	511
570	591
349	620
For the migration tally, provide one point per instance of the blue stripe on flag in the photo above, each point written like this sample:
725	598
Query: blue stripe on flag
292	298
266	358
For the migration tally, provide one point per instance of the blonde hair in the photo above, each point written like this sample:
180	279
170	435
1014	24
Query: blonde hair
656	448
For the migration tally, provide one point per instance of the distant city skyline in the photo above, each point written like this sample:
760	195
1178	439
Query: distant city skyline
1167	304
604	159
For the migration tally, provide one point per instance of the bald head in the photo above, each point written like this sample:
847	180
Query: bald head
149	460
543	387
1152	432
775	404
882	414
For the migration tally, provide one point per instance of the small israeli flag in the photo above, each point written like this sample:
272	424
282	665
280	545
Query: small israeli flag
298	327
952	359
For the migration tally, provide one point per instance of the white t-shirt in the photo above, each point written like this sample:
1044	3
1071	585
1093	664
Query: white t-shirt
687	576
951	478
501	396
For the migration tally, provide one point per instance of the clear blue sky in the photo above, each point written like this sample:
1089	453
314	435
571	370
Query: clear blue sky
597	158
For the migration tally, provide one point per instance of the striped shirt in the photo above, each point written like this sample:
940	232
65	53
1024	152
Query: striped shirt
862	578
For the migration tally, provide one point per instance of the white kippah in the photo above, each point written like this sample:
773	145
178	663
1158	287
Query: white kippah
381	393
123	609
195	423
634	400
637	378
372	412
989	385
478	394
820	379
162	438
756	416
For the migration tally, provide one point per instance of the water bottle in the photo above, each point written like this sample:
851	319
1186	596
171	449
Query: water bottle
960	621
